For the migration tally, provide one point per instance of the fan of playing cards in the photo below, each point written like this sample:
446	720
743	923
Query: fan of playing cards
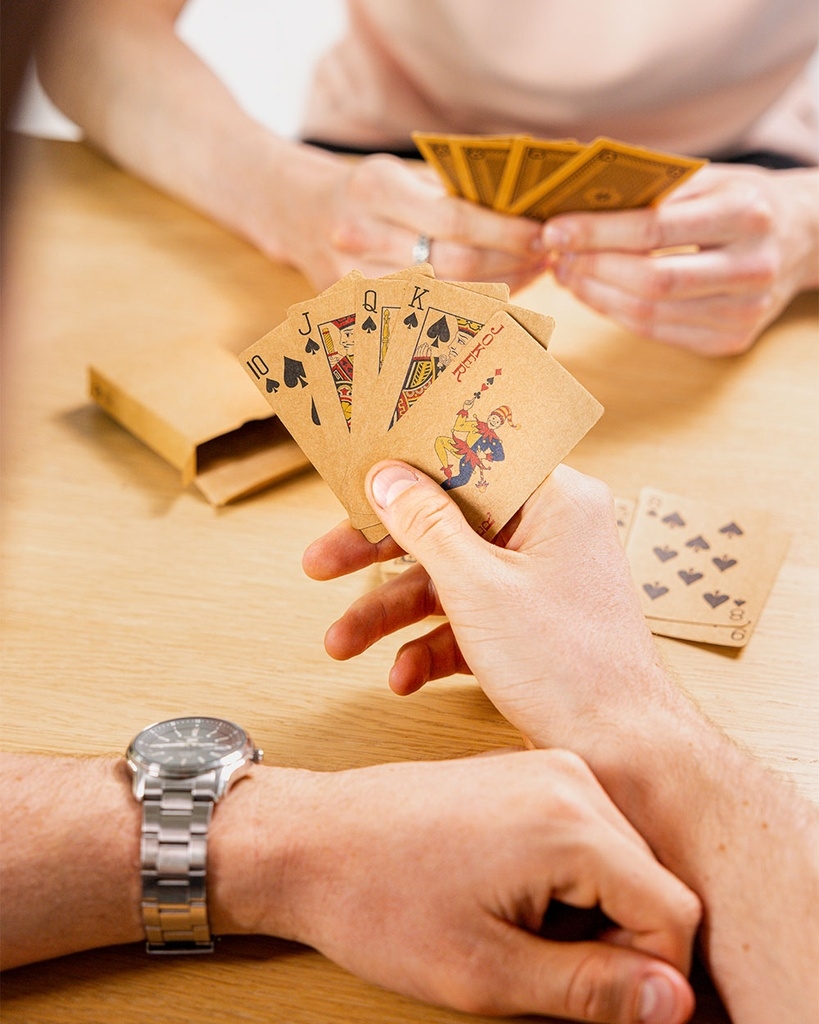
456	380
452	378
539	178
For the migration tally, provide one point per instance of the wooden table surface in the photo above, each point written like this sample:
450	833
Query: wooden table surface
127	598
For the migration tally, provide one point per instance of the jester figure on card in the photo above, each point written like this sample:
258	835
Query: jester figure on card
474	443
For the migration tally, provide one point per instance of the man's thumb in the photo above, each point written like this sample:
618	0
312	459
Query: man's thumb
420	516
595	981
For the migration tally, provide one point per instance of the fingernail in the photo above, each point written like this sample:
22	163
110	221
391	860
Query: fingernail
389	482
556	236
657	1001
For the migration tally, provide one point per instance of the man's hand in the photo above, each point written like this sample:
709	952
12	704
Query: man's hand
433	879
547	618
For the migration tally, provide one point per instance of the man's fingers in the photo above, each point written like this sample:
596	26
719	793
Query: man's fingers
399	602
435	655
423	520
584	981
343	550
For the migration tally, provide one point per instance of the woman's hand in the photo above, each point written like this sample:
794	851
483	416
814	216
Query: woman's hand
367	214
707	269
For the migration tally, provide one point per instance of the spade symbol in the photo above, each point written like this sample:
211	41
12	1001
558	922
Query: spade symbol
689	577
368	325
674	519
715	599
272	386
698	543
314	416
439	331
490	380
654	590
294	373
411	320
731	529
665	553
739	601
311	347
724	563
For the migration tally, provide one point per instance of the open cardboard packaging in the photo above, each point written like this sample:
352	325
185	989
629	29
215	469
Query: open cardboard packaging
194	405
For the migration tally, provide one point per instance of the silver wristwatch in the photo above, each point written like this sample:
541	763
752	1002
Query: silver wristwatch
181	768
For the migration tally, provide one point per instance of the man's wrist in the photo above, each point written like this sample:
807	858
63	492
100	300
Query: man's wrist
640	740
255	836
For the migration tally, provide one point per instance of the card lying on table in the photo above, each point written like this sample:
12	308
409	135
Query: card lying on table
703	571
451	378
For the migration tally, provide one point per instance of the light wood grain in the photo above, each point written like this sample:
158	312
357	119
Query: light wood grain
127	599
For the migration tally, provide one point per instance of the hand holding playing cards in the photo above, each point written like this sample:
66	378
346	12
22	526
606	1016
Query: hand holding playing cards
521	614
753	243
551	626
139	89
368	215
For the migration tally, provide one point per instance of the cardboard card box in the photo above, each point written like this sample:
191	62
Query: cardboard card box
193	404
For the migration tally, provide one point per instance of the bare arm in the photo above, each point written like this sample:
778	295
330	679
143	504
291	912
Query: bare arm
430	879
743	840
143	97
117	68
69	853
566	655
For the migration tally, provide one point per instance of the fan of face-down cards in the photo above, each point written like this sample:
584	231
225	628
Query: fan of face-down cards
540	178
456	380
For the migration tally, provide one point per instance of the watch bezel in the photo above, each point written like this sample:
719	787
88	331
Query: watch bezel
242	752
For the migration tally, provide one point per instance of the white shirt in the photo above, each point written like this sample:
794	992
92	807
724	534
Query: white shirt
705	77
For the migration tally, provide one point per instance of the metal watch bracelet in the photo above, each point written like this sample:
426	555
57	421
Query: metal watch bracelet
175	819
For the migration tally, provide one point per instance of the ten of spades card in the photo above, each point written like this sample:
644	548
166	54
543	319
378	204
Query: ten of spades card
304	369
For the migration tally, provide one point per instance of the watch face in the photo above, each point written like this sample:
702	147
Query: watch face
188	746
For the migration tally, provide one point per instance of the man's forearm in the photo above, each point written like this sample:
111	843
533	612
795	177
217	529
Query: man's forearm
742	839
69	849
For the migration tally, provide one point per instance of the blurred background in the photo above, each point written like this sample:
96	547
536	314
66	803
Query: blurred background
263	49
